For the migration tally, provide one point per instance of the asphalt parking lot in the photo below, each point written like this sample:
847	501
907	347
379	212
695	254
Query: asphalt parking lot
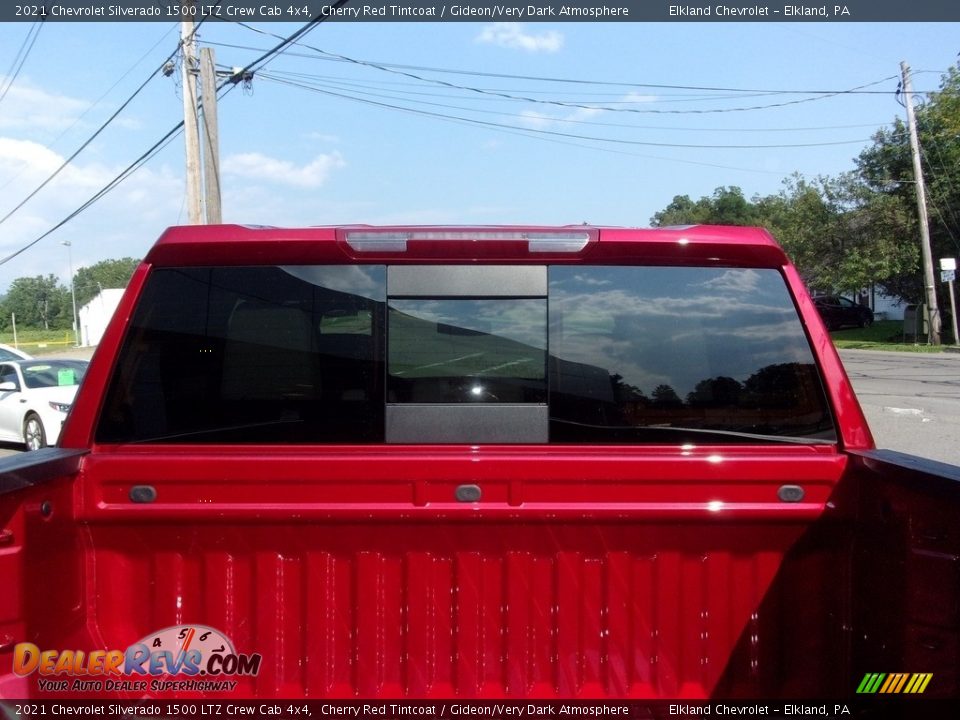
911	400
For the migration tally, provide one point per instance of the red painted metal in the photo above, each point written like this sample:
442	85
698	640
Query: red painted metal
583	572
613	572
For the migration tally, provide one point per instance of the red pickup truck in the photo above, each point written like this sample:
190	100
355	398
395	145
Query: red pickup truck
476	462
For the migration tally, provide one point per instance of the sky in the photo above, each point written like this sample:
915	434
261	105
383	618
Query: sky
427	123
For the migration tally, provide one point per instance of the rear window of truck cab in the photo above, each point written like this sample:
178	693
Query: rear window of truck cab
422	354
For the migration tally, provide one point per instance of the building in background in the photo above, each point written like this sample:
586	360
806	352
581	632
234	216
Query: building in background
94	317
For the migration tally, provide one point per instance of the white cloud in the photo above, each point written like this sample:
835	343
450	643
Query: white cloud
579	115
512	35
537	120
29	108
124	223
17	156
256	166
635	97
322	137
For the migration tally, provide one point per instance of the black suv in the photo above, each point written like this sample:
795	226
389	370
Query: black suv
838	312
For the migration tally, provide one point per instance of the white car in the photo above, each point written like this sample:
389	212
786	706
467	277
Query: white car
35	396
8	352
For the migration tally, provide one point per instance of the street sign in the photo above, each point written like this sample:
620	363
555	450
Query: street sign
948	275
948	264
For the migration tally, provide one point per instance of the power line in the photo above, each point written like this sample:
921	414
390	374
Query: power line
934	201
290	39
94	136
97	132
673	98
129	170
526	133
89	140
21	57
333	57
275	75
96	102
525	98
167	138
558	133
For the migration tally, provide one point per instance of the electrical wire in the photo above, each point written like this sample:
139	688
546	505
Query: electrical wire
21	57
96	133
621	100
129	170
934	201
581	106
333	57
274	75
525	133
167	138
97	101
555	132
82	147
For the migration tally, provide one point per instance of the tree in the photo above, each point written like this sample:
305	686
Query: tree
886	170
39	302
847	232
727	206
88	281
841	235
666	396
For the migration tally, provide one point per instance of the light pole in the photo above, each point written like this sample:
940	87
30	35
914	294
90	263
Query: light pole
73	292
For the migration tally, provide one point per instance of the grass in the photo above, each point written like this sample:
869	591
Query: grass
38	342
882	335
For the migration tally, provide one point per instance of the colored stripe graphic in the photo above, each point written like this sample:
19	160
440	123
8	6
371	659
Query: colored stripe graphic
870	683
894	683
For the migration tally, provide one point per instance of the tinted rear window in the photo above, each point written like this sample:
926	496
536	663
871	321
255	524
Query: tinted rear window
259	354
611	355
636	351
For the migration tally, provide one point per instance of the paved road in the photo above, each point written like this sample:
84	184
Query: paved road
912	400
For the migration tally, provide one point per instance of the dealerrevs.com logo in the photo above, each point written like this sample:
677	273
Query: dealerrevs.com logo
177	658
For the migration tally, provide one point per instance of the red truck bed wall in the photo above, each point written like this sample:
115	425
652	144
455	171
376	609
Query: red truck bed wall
640	600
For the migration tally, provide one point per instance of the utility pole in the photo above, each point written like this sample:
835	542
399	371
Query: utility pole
73	293
191	131
211	139
930	289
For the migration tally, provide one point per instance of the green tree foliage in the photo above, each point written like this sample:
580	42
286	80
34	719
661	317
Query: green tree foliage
886	170
40	302
841	235
847	232
88	281
727	206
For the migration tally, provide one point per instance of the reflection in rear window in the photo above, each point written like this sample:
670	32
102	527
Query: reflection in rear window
252	355
612	355
456	350
634	350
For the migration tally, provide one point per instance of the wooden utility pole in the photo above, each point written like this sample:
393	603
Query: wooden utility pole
928	282
191	132
211	140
